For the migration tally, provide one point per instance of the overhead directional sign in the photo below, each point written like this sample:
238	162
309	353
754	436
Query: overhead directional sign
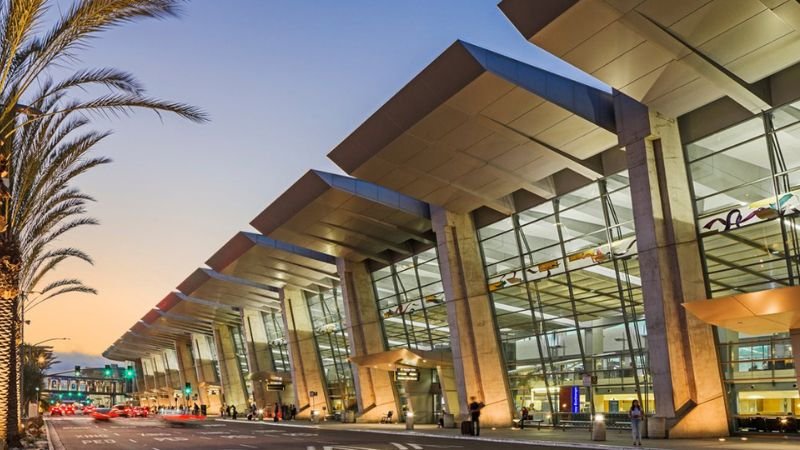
406	374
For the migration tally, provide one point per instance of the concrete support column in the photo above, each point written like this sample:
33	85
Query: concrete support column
258	357
204	360
375	391
141	387
304	356
447	381
477	356
207	378
188	371
233	387
687	383
159	378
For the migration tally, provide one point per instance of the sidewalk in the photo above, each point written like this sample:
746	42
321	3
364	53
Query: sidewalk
555	437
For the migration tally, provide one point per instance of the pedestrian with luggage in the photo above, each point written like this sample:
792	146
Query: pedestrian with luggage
475	415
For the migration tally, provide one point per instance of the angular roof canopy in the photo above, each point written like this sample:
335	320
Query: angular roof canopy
206	285
344	217
674	56
274	263
478	129
763	312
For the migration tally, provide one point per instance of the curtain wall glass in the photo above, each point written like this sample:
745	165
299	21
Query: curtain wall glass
746	182
327	317
273	323
411	303
565	285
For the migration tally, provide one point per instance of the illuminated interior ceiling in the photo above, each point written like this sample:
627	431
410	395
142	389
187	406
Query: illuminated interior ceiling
274	263
344	217
390	359
674	56
763	312
477	129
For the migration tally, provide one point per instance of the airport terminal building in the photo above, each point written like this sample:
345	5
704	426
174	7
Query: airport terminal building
509	234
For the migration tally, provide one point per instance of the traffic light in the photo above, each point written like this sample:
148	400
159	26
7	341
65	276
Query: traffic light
188	389
77	371
129	373
107	371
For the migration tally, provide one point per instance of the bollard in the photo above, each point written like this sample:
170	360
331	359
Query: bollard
599	428
409	420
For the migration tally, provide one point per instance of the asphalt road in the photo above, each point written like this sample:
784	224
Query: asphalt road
77	432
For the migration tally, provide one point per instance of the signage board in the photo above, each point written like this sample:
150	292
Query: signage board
406	374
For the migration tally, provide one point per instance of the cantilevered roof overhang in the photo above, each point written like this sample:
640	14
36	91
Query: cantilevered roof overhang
207	287
673	56
478	129
345	217
275	263
763	312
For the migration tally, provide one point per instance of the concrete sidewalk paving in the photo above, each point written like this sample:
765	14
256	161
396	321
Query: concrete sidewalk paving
555	437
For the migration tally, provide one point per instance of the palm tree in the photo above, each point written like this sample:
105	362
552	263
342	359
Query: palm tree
40	152
36	361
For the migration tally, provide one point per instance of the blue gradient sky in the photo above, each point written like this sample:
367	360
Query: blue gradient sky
284	82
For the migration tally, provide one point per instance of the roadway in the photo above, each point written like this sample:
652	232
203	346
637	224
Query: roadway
78	432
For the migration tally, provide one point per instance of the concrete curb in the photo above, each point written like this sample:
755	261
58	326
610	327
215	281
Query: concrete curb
459	437
53	442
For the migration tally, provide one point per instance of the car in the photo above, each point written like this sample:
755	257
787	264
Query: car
88	409
122	410
103	414
140	411
68	410
56	411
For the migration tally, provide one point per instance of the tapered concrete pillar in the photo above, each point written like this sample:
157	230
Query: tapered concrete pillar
183	352
683	359
477	357
258	357
173	375
160	379
375	391
141	387
233	388
205	366
304	357
447	382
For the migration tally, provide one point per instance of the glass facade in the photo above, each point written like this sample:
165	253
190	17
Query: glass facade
327	317
746	188
411	303
241	358
566	290
273	323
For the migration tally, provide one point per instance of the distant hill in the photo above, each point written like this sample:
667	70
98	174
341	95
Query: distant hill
68	361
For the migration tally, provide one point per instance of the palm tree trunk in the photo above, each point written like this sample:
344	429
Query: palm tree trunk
9	332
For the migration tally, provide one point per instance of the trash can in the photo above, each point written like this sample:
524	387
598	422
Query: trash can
599	428
348	417
409	420
449	420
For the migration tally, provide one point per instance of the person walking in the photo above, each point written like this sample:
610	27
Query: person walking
228	411
196	409
523	417
475	415
636	414
234	414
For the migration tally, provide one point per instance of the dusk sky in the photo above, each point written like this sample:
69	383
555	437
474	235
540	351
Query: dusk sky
284	83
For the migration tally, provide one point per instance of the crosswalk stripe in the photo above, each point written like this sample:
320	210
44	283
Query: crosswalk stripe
399	446
415	446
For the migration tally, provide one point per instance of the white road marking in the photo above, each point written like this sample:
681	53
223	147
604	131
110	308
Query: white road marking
132	440
415	446
399	446
248	446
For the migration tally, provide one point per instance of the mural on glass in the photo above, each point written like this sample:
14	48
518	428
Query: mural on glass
565	285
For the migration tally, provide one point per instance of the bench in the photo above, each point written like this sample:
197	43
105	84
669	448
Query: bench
621	426
537	422
574	424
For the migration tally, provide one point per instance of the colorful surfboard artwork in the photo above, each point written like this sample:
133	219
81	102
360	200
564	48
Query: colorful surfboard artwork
765	209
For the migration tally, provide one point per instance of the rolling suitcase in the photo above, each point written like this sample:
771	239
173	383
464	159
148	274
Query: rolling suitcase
466	427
